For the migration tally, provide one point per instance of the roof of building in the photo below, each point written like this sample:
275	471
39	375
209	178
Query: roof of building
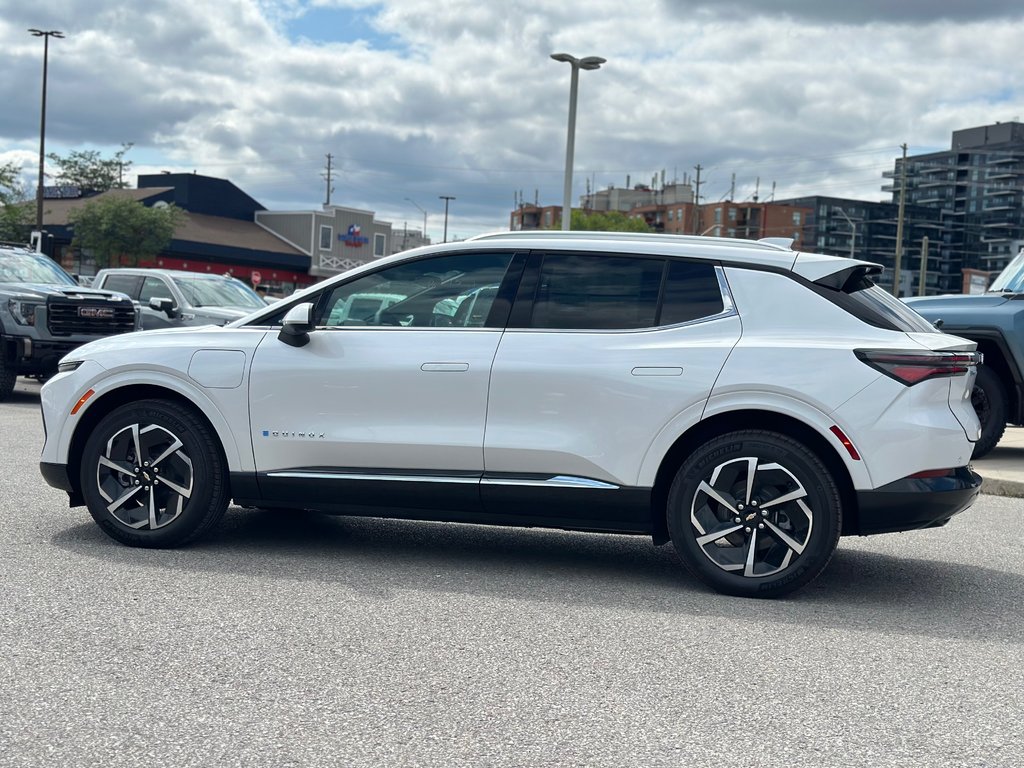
195	227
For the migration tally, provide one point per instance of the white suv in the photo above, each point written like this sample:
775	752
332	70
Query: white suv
747	402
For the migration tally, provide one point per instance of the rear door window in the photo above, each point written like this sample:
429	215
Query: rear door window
124	283
609	291
582	291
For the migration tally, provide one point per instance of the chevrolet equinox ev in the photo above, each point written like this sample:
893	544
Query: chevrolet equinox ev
748	403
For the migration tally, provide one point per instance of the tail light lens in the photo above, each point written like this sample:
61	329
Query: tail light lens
912	367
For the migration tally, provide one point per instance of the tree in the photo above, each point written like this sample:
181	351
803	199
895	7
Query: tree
607	221
118	231
88	171
15	214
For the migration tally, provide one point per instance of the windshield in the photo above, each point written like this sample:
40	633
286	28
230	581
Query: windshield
1011	279
24	267
218	292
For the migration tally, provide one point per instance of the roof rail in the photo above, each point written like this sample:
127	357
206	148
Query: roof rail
770	243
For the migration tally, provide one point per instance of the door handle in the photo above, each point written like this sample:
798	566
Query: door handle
445	367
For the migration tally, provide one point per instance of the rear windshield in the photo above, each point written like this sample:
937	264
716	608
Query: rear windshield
900	315
866	301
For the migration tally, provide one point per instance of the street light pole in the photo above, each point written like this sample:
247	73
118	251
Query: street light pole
446	199
46	35
587	62
424	217
853	229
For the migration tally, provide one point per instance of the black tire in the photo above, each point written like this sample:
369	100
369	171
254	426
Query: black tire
746	542
989	400
8	376
178	490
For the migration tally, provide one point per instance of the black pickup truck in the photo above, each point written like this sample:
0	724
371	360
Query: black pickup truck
44	314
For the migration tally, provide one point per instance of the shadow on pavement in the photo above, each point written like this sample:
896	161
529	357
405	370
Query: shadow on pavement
860	590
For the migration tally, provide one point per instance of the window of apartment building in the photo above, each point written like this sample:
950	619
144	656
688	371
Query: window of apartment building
671	214
718	215
547	218
732	214
379	244
796	218
326	236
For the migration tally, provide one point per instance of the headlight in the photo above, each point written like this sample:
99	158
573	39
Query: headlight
24	312
66	366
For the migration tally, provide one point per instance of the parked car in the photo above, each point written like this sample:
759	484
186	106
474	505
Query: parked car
170	298
44	314
995	321
748	403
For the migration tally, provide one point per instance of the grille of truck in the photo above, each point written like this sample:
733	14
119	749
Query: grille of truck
92	317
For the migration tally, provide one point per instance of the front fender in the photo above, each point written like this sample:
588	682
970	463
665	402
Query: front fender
222	407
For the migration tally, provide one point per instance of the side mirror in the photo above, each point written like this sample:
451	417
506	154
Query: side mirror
297	324
165	305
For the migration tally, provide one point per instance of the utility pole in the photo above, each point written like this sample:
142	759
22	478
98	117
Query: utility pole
696	202
924	266
899	224
447	199
327	176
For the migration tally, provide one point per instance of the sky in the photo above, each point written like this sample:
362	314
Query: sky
416	99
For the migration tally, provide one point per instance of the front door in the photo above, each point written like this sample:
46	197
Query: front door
386	404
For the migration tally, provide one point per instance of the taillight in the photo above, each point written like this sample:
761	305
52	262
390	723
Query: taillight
913	367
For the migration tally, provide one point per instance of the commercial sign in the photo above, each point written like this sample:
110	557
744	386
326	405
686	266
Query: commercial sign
354	237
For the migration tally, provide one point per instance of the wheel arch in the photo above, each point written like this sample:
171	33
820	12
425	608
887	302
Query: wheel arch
108	402
732	421
999	360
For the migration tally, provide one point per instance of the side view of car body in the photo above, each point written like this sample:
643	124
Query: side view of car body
747	402
170	298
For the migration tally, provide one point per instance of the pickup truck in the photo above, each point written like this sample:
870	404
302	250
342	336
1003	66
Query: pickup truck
995	320
44	314
169	298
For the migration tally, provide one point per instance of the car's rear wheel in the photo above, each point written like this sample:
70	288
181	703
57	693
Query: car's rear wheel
989	400
754	513
153	474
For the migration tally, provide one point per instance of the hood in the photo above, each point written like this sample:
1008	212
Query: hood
956	301
42	290
221	314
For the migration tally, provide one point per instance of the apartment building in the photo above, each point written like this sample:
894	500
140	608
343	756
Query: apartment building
976	188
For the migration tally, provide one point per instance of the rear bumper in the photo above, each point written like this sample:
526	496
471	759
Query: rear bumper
913	503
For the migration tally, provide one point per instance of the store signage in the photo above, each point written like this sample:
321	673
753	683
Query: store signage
354	238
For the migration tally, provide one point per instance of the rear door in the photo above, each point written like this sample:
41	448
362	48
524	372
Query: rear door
602	352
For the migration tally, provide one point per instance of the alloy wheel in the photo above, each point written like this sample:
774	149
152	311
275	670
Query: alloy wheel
751	518
144	476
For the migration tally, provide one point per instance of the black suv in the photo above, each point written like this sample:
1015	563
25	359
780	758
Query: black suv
44	314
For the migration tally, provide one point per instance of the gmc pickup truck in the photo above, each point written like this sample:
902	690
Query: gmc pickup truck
44	314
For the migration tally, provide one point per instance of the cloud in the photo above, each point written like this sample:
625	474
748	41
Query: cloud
418	99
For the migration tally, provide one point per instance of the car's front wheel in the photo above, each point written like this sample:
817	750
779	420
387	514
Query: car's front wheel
754	513
153	475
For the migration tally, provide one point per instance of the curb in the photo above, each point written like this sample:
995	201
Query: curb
993	485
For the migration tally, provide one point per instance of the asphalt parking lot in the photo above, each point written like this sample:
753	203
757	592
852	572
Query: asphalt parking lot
294	640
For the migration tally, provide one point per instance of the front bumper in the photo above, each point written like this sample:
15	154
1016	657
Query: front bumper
917	502
36	356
